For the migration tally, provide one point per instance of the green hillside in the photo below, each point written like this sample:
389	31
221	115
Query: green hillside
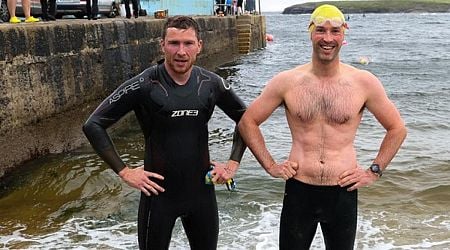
376	6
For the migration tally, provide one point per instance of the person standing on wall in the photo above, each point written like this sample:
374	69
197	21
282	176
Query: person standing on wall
229	7
324	101
135	6
92	9
48	8
173	102
26	6
239	6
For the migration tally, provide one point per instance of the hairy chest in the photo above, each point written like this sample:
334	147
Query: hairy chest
332	102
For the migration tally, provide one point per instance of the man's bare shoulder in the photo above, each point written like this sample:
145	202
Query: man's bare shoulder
291	75
360	76
300	70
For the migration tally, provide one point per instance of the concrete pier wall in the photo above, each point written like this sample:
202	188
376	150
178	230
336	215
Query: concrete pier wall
54	74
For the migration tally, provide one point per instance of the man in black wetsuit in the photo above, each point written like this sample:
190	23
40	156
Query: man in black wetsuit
173	102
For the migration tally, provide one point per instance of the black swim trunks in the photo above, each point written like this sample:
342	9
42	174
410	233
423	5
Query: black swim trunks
174	119
306	205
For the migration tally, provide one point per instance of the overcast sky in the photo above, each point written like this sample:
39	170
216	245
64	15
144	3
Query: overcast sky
279	5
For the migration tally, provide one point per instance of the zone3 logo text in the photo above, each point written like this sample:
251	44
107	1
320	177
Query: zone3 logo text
179	113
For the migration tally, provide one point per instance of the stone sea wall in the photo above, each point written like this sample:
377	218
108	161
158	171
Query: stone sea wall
52	75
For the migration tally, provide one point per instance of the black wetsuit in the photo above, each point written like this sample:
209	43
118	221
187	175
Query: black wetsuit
306	205
174	121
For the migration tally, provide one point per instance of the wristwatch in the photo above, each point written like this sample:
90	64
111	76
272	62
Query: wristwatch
375	168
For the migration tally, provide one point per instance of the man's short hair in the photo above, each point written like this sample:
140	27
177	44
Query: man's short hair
181	22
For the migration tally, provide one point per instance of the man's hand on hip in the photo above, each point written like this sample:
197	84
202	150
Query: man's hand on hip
356	177
284	170
140	179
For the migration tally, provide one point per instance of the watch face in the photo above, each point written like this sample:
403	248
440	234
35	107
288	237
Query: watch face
375	168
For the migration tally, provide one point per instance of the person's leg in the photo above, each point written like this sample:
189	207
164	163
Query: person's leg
52	9
127	8
26	5
155	222
12	11
201	223
44	9
88	9
239	7
135	8
94	9
229	11
12	7
298	222
26	8
339	228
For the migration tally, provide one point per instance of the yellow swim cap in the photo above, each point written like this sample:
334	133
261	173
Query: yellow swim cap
325	13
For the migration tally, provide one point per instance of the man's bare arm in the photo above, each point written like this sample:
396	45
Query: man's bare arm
389	117
256	114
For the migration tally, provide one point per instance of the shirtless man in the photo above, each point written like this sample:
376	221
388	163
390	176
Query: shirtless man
324	101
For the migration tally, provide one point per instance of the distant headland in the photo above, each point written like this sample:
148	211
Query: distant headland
376	6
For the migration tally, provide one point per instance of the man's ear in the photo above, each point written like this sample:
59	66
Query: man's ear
200	46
